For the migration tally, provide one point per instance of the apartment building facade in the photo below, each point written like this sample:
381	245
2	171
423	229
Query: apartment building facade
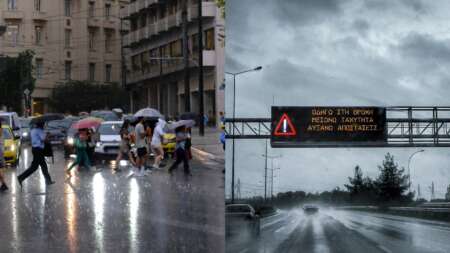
154	58
71	39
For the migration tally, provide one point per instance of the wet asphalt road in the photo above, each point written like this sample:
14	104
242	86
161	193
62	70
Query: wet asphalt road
102	211
345	232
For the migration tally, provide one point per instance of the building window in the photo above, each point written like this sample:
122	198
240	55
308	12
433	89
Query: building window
91	39
68	70
67	38
107	10
209	39
135	62
108	41
39	68
153	57
92	72
68	8
13	34
176	49
37	5
12	5
194	43
91	9
143	21
108	69
38	35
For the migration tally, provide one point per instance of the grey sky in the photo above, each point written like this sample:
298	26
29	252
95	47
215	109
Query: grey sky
330	52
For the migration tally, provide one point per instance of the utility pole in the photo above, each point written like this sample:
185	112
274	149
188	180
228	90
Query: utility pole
266	156
200	71
187	88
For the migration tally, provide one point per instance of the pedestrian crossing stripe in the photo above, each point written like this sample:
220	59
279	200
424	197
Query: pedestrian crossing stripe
285	127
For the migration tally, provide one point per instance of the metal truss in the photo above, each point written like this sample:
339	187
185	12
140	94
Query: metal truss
407	126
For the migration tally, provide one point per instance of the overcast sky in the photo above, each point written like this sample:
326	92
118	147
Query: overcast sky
336	52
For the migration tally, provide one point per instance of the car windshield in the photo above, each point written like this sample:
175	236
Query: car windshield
238	209
7	134
110	129
5	119
59	124
25	123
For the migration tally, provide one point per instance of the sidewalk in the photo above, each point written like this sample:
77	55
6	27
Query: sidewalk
208	146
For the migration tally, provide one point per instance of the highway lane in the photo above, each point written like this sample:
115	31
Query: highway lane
341	231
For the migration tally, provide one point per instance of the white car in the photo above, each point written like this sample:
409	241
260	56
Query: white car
108	142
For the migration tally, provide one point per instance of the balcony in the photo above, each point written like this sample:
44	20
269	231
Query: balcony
133	37
162	25
93	22
133	8
126	40
39	16
13	14
141	34
209	10
151	30
124	12
109	23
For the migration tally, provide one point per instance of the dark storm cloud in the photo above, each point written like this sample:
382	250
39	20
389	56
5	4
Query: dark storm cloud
425	47
295	12
361	26
417	6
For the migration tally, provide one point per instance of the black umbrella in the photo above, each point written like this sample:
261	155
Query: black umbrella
47	117
189	115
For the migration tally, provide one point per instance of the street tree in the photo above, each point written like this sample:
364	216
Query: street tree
16	75
392	184
78	96
361	189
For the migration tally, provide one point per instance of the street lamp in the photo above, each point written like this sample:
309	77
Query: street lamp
234	117
409	162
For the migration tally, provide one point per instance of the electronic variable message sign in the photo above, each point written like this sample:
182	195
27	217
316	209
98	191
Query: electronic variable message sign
328	126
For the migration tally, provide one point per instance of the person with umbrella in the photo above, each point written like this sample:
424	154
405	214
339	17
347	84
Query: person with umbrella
81	145
181	149
3	187
38	139
156	143
140	135
125	145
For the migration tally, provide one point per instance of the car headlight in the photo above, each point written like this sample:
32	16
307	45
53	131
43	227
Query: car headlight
98	144
70	140
24	134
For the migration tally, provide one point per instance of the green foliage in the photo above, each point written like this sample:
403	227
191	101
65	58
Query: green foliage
78	96
361	189
15	77
221	4
392	185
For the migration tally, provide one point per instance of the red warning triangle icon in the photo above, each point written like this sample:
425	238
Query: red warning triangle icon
285	127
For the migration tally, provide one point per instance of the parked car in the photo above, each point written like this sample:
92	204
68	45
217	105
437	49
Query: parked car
11	146
108	142
105	115
57	130
12	120
241	218
25	129
310	209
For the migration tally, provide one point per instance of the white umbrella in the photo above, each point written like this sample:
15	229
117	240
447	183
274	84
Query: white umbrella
148	113
186	123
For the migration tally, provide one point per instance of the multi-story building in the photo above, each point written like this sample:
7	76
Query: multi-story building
72	40
155	68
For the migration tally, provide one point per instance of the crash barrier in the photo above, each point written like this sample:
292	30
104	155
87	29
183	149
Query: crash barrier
432	213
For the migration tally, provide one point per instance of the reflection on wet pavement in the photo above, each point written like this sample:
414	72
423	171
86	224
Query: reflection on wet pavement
102	211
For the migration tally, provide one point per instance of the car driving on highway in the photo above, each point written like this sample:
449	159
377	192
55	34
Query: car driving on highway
241	218
310	209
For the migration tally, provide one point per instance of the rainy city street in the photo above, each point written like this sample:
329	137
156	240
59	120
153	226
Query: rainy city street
332	230
103	211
